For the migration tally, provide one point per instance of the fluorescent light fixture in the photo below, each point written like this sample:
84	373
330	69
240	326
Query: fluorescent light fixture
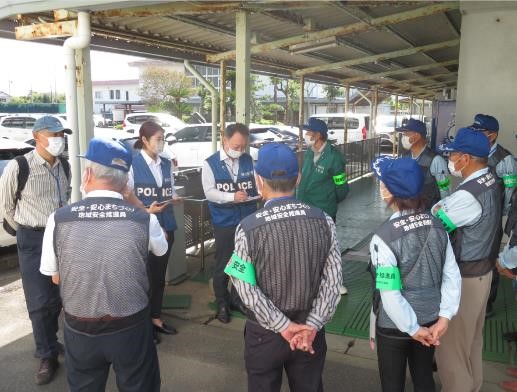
305	47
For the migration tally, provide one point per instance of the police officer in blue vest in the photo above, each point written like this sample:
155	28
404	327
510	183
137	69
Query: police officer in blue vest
97	251
229	183
152	180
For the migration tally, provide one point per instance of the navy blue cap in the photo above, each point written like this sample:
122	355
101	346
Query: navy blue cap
469	141
50	124
316	125
414	125
108	152
485	122
276	161
403	176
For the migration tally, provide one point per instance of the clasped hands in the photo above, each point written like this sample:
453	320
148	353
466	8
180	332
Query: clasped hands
430	336
300	337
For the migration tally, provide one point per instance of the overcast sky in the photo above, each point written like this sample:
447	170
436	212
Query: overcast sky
40	67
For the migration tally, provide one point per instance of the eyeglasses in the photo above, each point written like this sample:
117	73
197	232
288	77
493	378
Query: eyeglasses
158	139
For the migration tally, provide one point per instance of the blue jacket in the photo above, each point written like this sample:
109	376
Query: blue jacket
148	191
228	215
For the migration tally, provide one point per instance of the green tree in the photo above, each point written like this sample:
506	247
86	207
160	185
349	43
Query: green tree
167	89
291	91
331	93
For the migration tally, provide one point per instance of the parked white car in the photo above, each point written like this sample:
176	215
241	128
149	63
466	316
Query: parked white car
168	122
17	126
8	150
357	125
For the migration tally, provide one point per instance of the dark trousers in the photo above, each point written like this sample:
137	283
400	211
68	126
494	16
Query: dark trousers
41	295
224	244
394	354
157	269
267	354
131	352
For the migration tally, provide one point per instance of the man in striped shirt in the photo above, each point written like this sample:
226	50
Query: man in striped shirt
286	267
47	188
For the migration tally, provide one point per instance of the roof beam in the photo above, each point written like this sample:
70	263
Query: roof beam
363	16
430	77
378	57
341	30
400	71
204	7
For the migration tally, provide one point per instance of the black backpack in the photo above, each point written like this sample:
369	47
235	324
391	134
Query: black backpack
23	176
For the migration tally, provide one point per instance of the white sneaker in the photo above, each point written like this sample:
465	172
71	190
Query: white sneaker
343	290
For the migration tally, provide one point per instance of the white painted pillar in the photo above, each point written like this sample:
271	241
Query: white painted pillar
242	65
487	68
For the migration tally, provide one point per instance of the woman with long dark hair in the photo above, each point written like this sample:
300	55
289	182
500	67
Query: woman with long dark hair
152	180
417	281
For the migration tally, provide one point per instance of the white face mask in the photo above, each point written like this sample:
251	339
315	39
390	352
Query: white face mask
233	153
56	145
406	143
308	140
452	169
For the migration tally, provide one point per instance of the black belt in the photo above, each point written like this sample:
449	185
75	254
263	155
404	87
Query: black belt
37	228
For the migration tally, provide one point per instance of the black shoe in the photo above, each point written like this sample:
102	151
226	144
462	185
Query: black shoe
47	371
223	314
60	350
165	329
240	307
510	336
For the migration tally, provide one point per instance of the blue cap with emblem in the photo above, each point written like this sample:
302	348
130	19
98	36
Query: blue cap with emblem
316	125
50	124
108	152
468	141
403	176
414	125
276	161
484	122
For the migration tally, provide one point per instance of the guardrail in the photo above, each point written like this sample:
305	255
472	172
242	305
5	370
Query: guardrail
359	156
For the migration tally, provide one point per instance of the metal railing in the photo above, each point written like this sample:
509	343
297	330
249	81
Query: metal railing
198	225
359	156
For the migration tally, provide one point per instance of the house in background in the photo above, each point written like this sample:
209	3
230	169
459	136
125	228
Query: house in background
116	94
4	97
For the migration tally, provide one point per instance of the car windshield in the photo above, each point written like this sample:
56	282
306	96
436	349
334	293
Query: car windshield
171	121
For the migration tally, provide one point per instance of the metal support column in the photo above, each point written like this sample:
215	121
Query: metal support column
301	113
84	99
411	101
422	111
347	108
373	122
242	65
222	98
395	138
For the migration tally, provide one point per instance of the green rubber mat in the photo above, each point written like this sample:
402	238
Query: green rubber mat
176	301
504	320
352	317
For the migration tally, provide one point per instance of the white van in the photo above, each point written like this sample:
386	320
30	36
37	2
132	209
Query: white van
357	125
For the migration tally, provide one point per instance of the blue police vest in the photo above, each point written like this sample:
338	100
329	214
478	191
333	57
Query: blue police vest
228	215
148	191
